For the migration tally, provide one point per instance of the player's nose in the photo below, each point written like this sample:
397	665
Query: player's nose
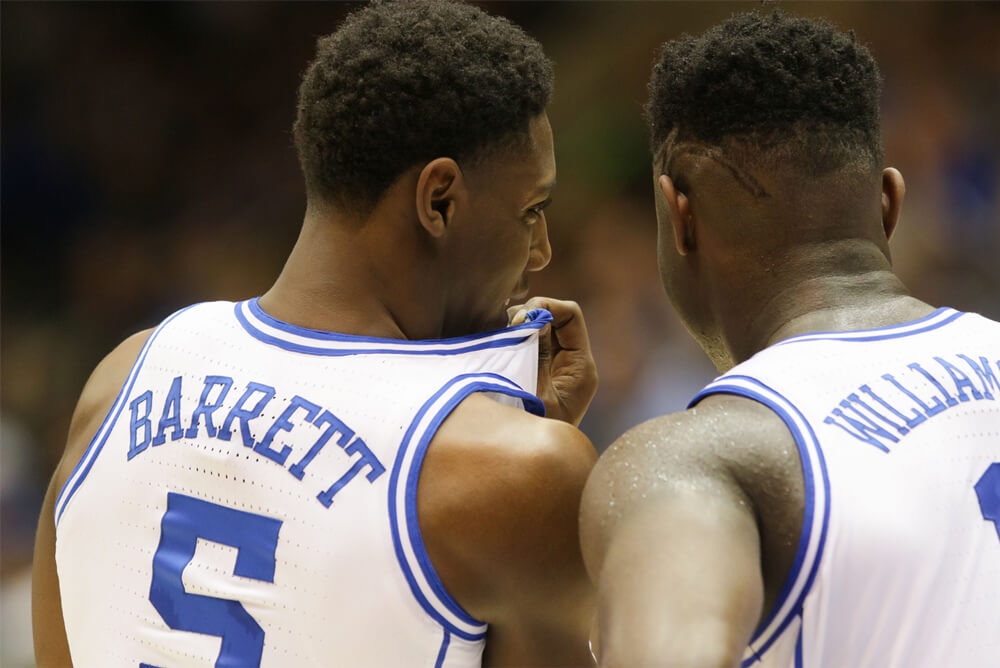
541	249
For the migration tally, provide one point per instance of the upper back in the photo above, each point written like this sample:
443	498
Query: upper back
257	482
898	432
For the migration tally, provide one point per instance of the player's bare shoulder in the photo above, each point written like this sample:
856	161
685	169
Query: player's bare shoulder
729	448
98	396
497	480
498	500
723	438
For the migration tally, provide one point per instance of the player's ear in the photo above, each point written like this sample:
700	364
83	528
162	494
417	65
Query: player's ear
438	187
893	191
681	219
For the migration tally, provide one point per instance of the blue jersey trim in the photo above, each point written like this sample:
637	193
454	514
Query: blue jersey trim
531	403
798	646
100	438
807	444
939	318
467	384
326	342
443	652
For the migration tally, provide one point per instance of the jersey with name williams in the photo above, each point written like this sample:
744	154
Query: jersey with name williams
898	432
251	497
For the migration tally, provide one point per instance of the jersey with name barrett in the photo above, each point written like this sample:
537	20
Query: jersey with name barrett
898	431
251	497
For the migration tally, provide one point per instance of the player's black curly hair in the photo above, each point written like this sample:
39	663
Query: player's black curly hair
769	80
399	83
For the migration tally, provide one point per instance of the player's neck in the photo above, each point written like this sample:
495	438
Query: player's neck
819	290
342	276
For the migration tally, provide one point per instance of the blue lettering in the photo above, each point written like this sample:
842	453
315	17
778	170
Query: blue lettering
283	423
240	413
205	408
298	469
367	458
860	430
985	374
929	410
911	422
171	415
135	446
950	400
960	379
854	398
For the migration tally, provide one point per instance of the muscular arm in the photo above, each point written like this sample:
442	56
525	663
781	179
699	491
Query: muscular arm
684	545
51	646
498	504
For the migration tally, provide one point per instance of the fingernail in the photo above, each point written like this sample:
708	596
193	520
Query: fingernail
519	318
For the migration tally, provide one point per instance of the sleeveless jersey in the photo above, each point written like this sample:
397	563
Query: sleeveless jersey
251	497
898	431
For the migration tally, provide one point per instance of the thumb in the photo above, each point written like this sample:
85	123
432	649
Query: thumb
545	347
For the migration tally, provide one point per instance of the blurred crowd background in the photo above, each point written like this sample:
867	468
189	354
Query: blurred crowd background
147	163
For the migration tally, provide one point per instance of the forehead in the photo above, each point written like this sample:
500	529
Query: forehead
519	170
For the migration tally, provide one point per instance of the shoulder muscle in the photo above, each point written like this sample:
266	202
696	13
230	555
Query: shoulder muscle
498	502
97	397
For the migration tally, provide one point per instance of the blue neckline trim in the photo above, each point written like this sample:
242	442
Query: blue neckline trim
932	321
326	342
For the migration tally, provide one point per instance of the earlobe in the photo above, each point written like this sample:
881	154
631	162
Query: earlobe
893	191
437	187
680	215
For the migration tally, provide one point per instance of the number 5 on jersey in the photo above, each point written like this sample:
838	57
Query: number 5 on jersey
988	491
254	536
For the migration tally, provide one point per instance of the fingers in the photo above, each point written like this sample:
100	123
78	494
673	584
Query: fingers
567	375
516	315
567	320
562	310
545	347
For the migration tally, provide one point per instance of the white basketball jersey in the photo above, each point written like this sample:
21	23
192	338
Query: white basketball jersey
898	431
251	497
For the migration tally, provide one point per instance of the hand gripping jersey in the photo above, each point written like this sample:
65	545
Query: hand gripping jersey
898	431
251	497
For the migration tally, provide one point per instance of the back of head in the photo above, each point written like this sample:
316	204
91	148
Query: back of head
402	83
770	89
768	129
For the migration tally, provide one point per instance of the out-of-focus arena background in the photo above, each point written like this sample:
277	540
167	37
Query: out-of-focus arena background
147	163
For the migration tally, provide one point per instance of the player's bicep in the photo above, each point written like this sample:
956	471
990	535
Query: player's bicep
680	582
543	601
671	540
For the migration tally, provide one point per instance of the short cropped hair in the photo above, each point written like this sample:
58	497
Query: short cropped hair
766	81
400	83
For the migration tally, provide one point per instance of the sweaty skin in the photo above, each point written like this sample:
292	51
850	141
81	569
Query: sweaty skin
690	522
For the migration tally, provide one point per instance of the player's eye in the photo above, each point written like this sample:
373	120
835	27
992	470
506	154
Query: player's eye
536	212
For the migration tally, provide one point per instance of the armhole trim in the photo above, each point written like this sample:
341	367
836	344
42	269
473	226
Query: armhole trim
443	652
411	554
82	468
816	517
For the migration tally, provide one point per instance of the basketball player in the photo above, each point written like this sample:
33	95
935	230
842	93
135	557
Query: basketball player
351	470
833	498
